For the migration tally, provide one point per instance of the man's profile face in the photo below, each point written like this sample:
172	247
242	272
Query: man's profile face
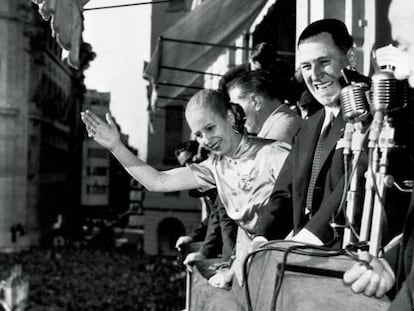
253	124
321	62
401	16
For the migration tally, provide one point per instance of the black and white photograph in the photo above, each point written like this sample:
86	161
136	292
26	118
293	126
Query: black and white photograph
206	155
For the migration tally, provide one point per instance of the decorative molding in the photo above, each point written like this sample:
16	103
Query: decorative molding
9	112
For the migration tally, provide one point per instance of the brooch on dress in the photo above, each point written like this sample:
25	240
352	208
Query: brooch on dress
245	182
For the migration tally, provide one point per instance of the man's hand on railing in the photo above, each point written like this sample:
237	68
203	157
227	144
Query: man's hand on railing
376	278
222	279
182	242
191	258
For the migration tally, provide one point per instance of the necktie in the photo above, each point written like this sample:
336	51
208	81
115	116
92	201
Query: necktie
316	164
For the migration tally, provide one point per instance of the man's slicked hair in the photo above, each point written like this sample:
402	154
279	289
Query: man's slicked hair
259	82
334	27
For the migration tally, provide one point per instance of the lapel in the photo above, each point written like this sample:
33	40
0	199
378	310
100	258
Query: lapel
335	134
408	238
309	136
409	223
306	144
309	139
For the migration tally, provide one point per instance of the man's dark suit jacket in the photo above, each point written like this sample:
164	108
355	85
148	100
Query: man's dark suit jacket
221	233
404	272
218	231
291	187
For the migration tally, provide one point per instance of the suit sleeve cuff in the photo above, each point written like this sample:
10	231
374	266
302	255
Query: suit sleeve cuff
388	268
260	238
305	236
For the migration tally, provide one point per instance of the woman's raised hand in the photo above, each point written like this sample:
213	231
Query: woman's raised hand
104	133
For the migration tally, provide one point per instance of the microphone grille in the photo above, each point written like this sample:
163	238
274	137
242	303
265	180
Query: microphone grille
354	101
384	90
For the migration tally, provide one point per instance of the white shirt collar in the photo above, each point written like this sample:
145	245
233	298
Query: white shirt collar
334	110
330	114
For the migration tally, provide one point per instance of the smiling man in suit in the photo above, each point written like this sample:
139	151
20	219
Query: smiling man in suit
310	184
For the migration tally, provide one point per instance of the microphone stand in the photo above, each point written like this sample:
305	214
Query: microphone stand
351	198
370	175
369	195
354	102
381	140
385	143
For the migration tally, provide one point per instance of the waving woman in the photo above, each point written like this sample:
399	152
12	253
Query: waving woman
244	169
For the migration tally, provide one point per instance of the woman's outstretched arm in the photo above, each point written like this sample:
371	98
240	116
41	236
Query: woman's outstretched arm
107	135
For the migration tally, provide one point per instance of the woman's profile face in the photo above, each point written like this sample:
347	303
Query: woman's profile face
213	131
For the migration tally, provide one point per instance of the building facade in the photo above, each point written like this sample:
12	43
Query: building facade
39	110
105	183
96	161
14	121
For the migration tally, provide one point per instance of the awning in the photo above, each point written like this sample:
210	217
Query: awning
187	48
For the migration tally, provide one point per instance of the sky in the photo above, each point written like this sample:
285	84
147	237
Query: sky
121	39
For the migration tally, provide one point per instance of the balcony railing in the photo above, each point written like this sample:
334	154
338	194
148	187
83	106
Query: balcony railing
281	279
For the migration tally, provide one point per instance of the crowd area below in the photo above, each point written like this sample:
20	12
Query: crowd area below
95	279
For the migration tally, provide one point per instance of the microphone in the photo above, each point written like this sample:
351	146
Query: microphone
388	94
354	102
355	110
384	90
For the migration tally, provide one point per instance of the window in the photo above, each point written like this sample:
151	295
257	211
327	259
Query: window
137	196
134	183
97	153
136	208
96	189
173	134
96	171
